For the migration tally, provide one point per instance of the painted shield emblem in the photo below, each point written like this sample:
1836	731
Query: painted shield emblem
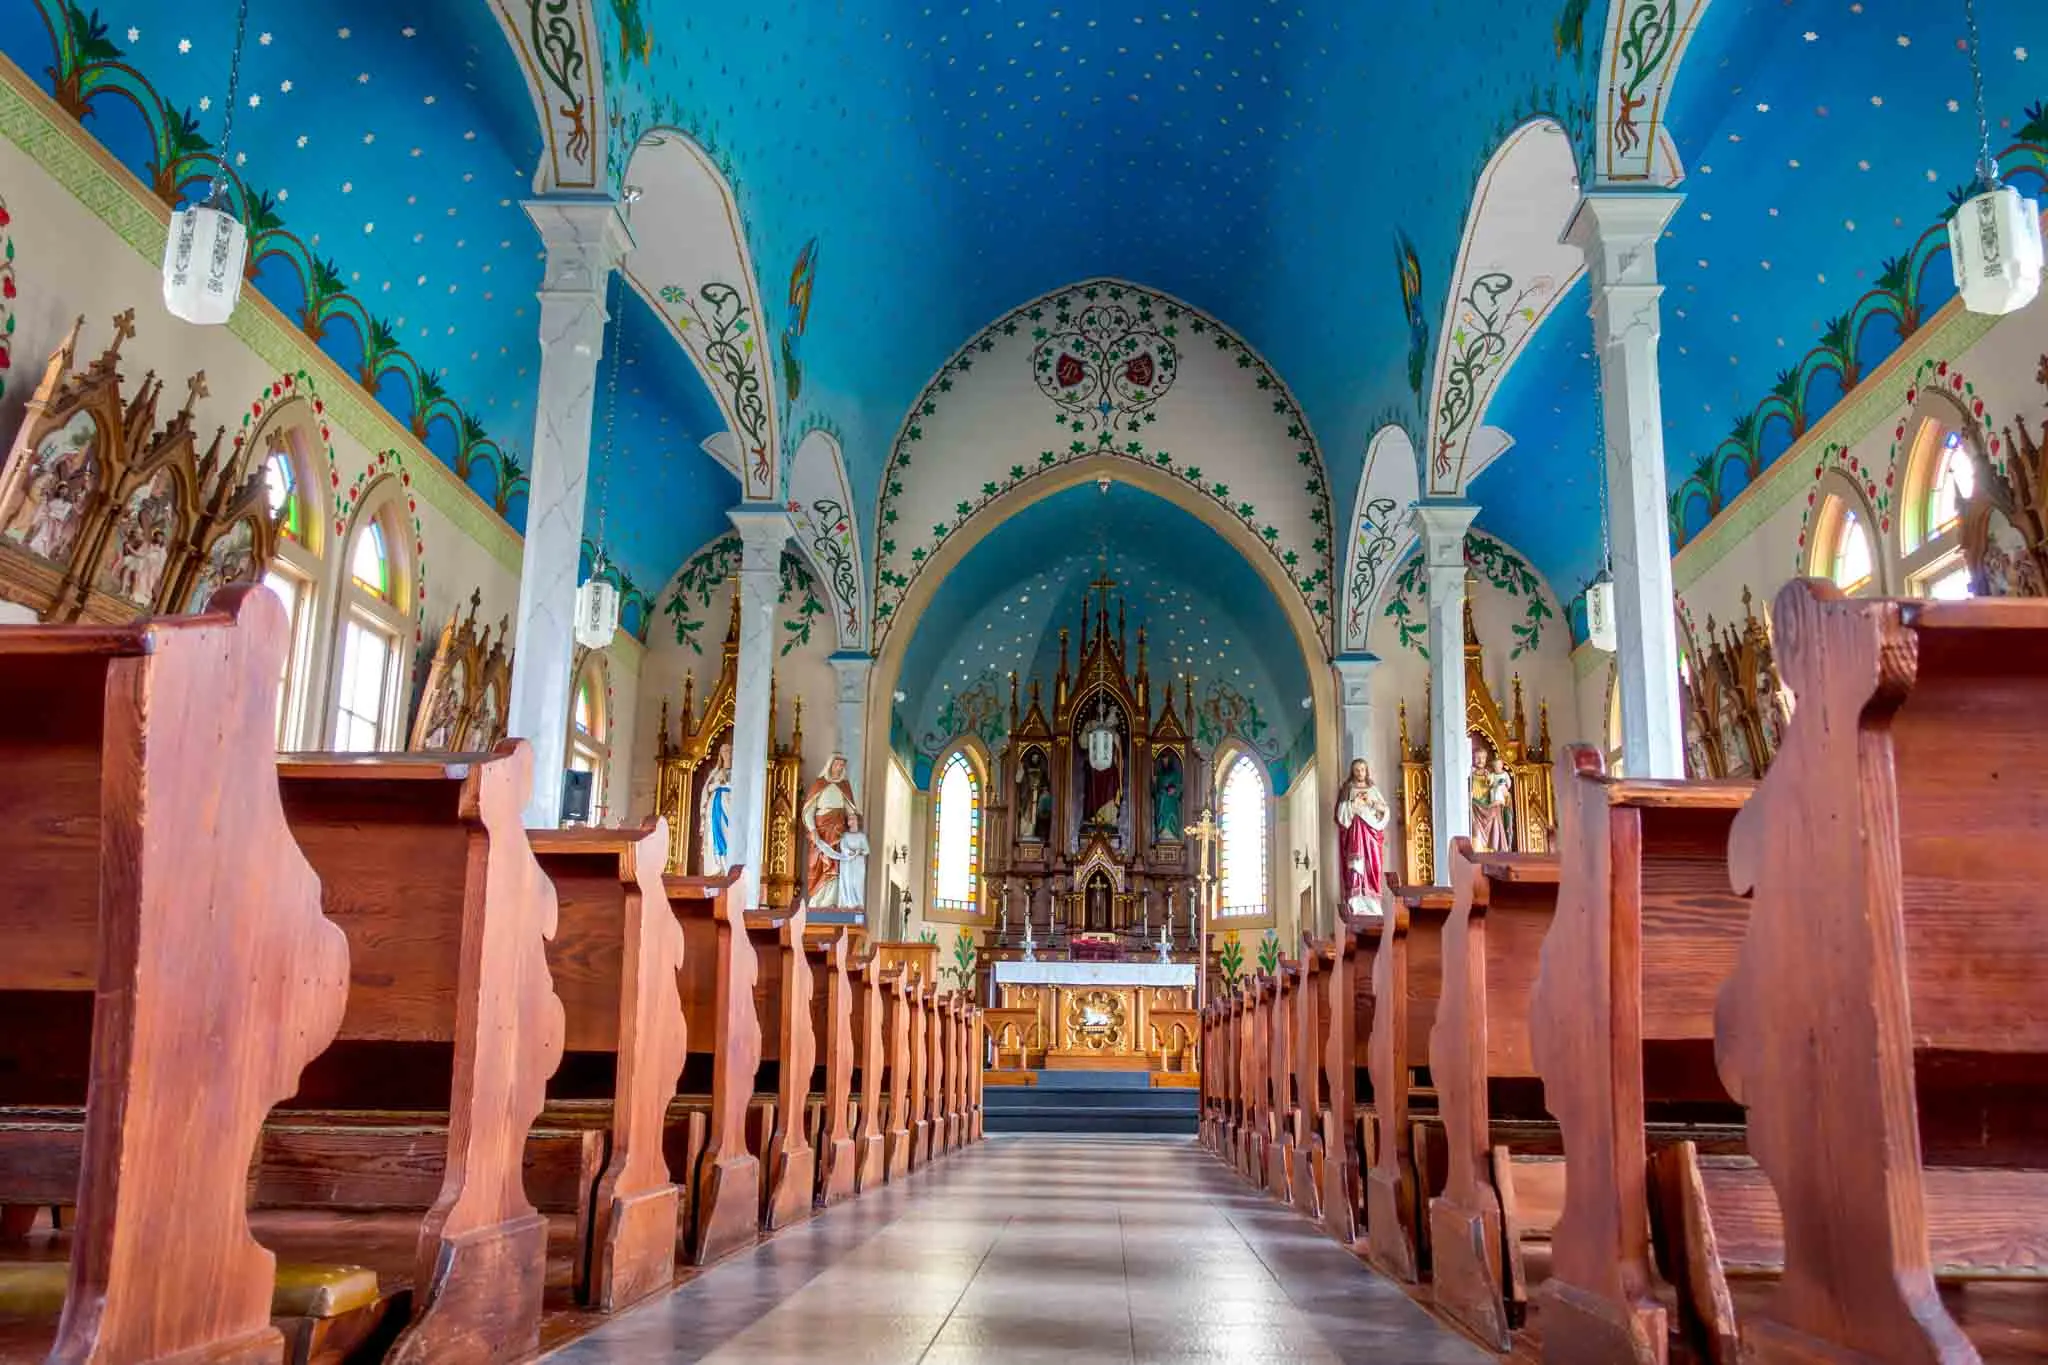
1141	370
1069	371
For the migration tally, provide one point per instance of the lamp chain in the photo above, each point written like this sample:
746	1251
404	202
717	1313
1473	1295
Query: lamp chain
611	420
1987	165
1600	452
227	130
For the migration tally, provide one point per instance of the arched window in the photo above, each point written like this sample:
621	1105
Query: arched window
1939	480
370	650
294	570
590	734
1243	856
1842	548
956	837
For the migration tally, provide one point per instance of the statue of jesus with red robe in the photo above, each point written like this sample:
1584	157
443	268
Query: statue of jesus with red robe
1362	817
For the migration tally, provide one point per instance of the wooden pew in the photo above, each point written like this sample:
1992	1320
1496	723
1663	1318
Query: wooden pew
937	1003
1502	908
148	863
1348	990
871	1053
719	972
1258	1056
1886	1022
966	1063
616	960
782	998
832	1021
1311	1030
977	1078
1280	1109
1621	1019
1407	976
425	866
900	1020
922	993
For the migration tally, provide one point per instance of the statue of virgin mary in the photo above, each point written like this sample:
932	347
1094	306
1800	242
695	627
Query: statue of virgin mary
716	848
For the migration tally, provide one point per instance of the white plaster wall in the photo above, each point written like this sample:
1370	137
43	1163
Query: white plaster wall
1305	817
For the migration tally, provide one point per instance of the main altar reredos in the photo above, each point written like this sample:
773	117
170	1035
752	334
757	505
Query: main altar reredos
1089	845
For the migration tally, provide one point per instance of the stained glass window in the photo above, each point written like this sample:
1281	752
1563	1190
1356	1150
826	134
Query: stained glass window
1244	839
1955	478
956	838
281	484
370	564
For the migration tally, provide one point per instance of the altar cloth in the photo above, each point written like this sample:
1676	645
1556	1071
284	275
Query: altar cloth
1095	974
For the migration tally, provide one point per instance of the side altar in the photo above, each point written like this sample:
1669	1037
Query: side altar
1113	1016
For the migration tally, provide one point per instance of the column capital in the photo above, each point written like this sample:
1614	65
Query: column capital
764	529
1442	526
852	668
586	237
1618	231
1354	677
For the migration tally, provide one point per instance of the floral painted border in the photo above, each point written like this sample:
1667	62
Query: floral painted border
1493	561
7	293
347	504
695	583
715	324
1930	373
284	388
899	563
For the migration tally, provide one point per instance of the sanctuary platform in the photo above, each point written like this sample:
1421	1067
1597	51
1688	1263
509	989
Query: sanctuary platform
1100	1016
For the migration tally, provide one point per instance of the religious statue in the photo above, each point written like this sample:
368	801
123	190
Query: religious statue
1490	788
717	846
1166	799
1362	817
1102	746
853	864
828	807
1034	799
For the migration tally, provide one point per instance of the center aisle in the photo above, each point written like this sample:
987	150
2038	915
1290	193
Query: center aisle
1032	1248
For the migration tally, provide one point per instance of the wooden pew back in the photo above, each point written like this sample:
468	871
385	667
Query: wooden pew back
148	861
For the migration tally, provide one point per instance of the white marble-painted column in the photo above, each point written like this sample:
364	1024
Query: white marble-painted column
1354	697
1618	233
764	529
1442	526
585	239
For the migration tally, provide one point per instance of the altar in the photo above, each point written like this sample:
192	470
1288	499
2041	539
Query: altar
1121	1016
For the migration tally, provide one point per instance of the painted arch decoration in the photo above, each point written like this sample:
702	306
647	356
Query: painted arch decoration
1512	270
694	269
1105	368
555	42
1644	43
1380	534
822	510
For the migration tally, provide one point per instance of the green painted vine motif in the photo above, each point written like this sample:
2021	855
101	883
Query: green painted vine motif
716	322
977	709
1105	366
1487	324
1497	565
1647	38
556	45
1226	713
708	569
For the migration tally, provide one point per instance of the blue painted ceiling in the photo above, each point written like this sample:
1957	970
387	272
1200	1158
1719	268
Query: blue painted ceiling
1205	609
1256	158
1822	139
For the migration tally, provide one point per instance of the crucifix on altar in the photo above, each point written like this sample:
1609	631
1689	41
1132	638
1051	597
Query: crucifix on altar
1203	832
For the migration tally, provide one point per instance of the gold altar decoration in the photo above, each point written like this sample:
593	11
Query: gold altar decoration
1735	705
1108	1027
106	518
2014	565
1534	812
462	706
682	764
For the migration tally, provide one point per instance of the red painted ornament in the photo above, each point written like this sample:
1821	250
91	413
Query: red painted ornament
1068	371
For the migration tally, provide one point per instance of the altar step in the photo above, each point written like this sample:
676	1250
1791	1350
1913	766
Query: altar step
1090	1102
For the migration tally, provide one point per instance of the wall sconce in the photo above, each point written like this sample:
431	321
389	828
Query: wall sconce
899	853
1302	860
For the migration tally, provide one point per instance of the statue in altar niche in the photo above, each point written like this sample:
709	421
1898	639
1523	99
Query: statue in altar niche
1166	806
716	853
832	822
1103	774
1362	817
1034	799
1492	795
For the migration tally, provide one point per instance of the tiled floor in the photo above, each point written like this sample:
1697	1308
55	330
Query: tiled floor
1041	1249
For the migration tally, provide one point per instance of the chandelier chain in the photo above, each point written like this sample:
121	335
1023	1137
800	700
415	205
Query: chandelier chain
1600	451
1987	165
611	419
227	130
